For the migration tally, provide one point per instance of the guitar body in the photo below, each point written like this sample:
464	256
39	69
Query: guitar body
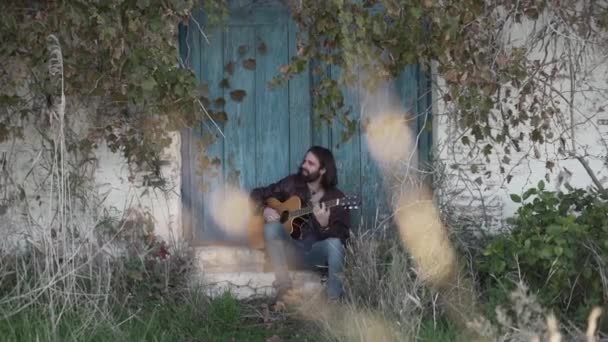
292	225
293	217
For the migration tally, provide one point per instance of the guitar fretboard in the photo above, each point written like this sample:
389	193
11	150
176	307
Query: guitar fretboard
308	210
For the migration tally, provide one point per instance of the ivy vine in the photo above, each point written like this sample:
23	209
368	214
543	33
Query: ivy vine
121	56
121	61
501	95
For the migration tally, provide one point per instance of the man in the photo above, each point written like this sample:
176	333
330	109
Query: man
323	237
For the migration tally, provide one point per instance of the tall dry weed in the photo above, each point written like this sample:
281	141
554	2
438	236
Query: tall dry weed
70	256
379	275
385	299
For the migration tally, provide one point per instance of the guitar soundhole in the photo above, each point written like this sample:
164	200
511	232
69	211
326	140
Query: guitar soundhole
297	225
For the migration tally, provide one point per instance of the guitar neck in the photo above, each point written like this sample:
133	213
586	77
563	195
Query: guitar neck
308	210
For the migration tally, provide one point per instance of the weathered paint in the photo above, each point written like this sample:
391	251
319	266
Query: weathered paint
300	120
272	108
268	132
347	153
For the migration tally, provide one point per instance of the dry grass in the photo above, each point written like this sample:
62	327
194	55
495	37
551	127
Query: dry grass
385	298
380	276
69	261
347	322
61	266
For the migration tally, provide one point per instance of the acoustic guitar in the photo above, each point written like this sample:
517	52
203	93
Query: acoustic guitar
292	216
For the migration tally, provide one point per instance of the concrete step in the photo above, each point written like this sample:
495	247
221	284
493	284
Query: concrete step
249	285
213	259
244	272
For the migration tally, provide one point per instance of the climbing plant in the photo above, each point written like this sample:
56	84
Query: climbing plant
501	95
120	60
122	57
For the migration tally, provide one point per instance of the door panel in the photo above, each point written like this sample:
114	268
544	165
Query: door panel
272	107
268	130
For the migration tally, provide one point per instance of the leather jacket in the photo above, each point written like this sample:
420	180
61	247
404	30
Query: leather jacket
339	217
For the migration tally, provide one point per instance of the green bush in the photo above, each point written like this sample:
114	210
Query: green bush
558	245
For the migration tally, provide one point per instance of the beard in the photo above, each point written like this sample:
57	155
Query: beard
309	177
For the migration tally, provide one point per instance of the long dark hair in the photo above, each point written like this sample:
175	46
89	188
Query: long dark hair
327	161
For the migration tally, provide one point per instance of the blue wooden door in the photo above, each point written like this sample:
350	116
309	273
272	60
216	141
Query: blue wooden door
267	131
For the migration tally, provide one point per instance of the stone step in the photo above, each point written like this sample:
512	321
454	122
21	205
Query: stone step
214	259
249	285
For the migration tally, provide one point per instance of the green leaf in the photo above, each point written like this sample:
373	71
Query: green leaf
515	198
528	193
546	252
143	4
558	250
499	266
148	84
416	12
587	272
487	149
554	229
541	185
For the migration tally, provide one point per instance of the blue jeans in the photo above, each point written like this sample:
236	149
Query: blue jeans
284	250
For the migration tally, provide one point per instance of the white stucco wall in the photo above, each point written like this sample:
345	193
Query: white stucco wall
527	168
27	192
113	184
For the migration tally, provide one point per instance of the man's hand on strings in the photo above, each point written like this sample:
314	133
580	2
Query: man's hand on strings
321	213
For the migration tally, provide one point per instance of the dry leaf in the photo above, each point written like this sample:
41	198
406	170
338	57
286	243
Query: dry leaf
219	117
502	59
249	64
451	75
229	68
224	83
237	95
219	102
262	48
